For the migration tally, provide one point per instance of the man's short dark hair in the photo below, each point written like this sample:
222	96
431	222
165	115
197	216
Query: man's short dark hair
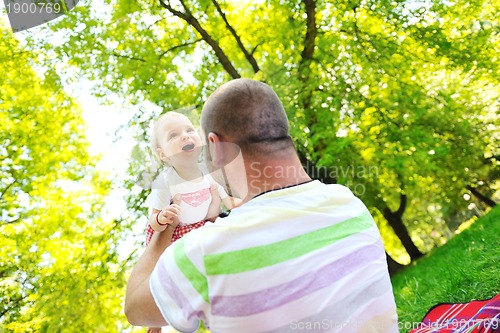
250	114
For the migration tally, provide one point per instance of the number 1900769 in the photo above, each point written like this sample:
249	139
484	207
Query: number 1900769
34	7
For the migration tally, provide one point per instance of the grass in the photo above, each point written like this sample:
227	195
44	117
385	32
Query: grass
465	268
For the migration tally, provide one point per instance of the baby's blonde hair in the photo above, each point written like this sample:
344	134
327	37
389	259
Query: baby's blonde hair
155	135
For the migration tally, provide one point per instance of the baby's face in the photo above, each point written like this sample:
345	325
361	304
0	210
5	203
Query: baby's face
179	141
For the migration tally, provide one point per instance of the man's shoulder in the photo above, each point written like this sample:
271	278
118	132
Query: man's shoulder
338	187
310	189
201	239
334	191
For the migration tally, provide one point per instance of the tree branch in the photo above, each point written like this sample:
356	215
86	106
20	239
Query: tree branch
165	52
10	222
490	202
192	21
179	46
248	56
307	54
7	188
127	57
311	32
12	301
254	49
402	205
172	10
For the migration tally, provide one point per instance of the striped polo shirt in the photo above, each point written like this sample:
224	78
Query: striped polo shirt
307	258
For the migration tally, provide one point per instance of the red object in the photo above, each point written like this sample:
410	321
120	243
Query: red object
178	232
473	317
157	221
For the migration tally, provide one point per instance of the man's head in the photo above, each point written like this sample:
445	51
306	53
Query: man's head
249	114
247	131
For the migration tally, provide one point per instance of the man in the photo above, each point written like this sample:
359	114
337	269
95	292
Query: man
298	255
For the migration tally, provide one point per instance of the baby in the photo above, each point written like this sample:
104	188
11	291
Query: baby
184	190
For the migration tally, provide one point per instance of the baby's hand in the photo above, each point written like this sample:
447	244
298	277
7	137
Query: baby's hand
169	216
214	208
176	199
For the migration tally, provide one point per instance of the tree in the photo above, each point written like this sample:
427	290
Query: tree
60	269
381	95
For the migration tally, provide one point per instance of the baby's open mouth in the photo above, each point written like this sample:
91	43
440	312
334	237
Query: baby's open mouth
189	146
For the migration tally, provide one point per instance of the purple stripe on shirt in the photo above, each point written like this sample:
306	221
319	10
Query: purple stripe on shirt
177	296
341	313
270	298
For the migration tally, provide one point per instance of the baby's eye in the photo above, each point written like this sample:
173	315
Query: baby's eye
172	135
190	130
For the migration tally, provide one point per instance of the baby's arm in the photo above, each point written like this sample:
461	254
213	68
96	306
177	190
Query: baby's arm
214	208
160	219
231	202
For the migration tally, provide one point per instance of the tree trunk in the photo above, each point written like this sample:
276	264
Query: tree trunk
481	197
395	220
393	265
400	230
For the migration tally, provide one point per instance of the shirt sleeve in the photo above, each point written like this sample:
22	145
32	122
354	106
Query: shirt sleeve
179	285
159	199
160	195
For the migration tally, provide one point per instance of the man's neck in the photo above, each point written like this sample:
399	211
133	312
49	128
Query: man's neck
274	175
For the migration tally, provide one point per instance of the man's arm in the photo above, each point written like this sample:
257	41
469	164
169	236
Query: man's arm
140	307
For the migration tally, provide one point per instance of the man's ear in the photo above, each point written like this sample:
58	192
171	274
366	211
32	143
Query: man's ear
215	149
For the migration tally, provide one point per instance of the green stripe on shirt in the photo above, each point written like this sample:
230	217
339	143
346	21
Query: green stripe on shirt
189	270
234	262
